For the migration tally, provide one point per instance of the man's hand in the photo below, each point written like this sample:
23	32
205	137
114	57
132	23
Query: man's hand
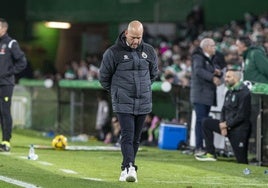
216	81
217	72
223	125
223	128
224	132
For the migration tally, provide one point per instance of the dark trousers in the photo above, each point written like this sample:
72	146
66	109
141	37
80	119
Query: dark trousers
5	113
201	111
238	140
255	111
131	129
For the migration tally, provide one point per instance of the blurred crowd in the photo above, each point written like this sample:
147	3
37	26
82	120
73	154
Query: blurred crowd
85	69
149	136
175	58
175	55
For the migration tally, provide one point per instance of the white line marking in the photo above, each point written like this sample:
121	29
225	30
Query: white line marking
68	171
210	183
45	163
23	157
94	179
5	153
17	182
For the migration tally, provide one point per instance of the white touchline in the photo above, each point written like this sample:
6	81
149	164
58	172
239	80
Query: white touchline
94	179
45	163
17	182
68	171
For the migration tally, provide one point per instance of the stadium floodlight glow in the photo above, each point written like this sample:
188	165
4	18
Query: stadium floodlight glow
58	25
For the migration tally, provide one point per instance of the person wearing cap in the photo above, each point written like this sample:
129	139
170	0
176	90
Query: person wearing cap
235	119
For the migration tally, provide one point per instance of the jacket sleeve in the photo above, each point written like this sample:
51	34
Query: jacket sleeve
19	59
154	67
107	69
261	63
243	111
222	118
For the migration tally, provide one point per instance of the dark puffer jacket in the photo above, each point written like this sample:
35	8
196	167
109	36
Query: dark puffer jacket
12	60
203	90
128	74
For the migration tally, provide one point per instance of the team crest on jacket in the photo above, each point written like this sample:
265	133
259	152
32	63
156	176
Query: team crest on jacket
233	98
3	49
126	57
144	55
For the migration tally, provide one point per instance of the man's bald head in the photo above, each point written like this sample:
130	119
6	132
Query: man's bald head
135	26
134	33
232	77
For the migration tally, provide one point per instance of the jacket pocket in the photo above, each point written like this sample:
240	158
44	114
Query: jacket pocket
114	95
123	97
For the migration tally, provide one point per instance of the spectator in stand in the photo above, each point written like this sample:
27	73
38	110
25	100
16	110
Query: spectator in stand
82	71
154	130
71	70
147	37
103	117
179	69
93	63
147	124
114	135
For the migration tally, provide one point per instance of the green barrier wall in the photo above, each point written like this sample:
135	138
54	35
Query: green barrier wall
52	109
70	106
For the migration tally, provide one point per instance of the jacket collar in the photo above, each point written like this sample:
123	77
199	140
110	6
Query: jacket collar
4	36
121	41
237	86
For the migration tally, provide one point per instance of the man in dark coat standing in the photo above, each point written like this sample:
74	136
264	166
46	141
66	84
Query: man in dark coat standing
127	71
205	78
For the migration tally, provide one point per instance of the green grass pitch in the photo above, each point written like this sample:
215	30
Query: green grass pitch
101	169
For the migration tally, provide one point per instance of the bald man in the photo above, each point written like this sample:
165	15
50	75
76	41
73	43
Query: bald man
128	69
234	122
